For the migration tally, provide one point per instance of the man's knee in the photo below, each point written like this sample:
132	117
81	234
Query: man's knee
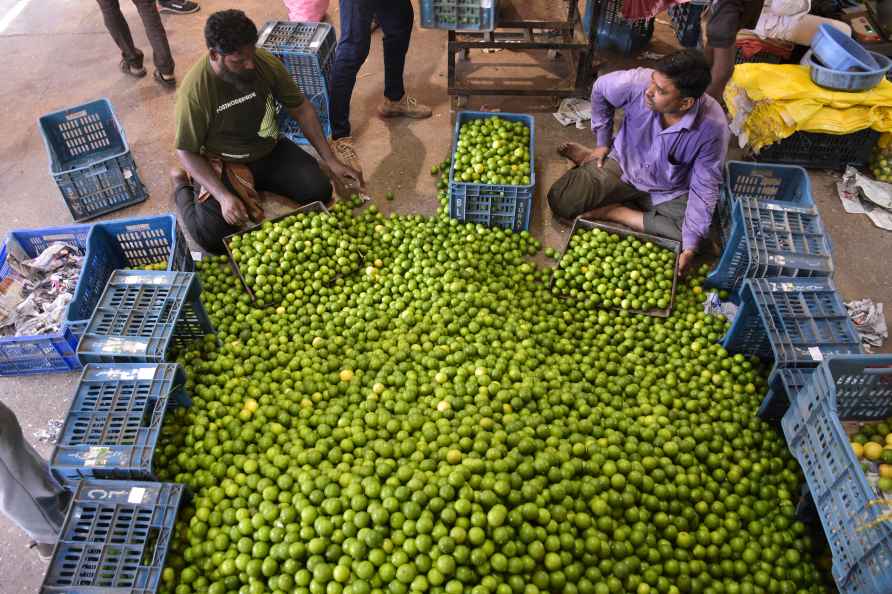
565	198
317	189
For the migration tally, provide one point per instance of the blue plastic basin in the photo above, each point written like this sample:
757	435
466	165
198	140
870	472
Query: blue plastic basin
851	81
838	51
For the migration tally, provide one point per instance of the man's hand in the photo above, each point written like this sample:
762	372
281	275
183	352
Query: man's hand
351	178
685	260
599	154
234	211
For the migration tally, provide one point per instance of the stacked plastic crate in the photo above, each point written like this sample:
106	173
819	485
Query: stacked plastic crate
308	52
778	259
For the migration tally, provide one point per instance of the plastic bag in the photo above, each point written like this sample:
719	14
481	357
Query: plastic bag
312	11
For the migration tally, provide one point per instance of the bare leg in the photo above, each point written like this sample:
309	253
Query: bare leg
616	213
576	152
722	69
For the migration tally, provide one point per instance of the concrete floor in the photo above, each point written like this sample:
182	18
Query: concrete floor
61	57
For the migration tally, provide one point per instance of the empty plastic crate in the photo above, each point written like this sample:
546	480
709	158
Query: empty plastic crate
783	385
773	239
114	539
125	243
90	160
757	58
685	19
141	315
763	181
844	388
114	421
509	207
822	151
618	34
308	52
43	353
796	322
459	15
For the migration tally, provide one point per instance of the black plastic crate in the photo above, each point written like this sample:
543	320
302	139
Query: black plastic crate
618	34
822	151
115	538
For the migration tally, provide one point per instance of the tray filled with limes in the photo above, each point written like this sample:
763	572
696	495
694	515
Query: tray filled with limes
294	254
610	266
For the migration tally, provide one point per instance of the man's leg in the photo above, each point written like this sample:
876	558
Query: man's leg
353	49
292	173
203	220
120	32
397	19
587	188
151	20
28	494
666	219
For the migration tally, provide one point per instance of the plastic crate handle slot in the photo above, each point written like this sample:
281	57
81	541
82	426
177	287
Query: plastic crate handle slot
97	170
76	115
879	371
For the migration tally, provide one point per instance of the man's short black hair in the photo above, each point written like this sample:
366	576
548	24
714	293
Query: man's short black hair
688	70
228	31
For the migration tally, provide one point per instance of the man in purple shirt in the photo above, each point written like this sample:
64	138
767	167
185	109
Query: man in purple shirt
663	172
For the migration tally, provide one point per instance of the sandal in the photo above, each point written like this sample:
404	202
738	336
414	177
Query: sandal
132	70
168	80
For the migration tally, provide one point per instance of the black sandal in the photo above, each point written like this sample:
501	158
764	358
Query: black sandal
168	80
132	70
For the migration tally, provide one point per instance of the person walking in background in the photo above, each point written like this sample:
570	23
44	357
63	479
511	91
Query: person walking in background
131	56
396	18
28	494
312	11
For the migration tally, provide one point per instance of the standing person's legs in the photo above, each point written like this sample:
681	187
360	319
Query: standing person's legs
120	32
151	20
203	220
28	495
352	51
397	19
290	172
587	187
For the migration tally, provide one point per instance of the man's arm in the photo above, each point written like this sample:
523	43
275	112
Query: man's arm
706	180
721	71
305	115
201	171
611	92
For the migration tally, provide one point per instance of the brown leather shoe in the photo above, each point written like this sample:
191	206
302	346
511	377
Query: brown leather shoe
407	107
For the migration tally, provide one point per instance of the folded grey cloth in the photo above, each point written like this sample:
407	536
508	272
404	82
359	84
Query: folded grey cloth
870	322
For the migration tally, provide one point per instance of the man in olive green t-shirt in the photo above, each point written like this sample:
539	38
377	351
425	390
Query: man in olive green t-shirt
226	110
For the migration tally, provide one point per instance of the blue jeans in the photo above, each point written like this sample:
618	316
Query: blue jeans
396	18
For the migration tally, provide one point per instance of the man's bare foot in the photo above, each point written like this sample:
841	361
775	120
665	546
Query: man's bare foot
576	152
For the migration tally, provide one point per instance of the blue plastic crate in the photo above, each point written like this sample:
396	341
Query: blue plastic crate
509	207
306	49
114	421
115	538
763	181
796	322
772	239
784	384
844	388
141	315
460	15
25	355
125	243
685	19
618	34
290	129
90	160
